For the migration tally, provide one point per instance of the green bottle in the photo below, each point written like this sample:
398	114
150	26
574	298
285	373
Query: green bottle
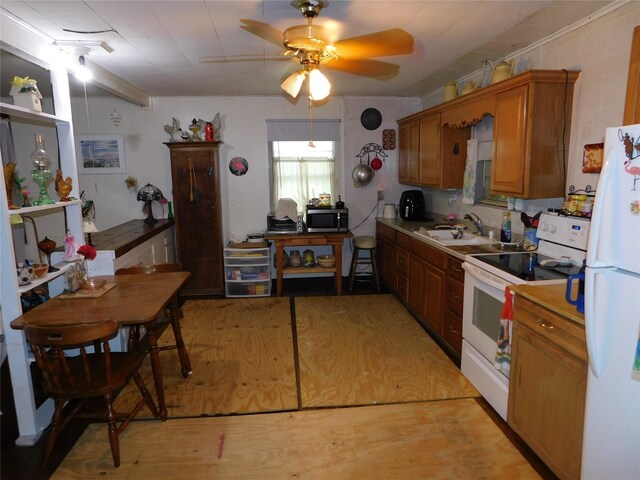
170	214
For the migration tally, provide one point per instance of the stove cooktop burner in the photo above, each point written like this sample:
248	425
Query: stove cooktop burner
527	266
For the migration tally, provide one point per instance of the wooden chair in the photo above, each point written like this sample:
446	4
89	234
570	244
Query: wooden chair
87	375
174	314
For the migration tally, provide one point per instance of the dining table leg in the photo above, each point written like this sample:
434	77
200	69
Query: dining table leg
156	369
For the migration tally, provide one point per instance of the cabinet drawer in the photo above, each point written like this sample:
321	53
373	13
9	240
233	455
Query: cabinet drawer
386	232
402	262
454	268
403	240
455	295
453	330
564	333
435	257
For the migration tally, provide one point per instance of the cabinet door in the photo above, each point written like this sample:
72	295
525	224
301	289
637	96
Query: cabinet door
194	171
408	155
430	166
385	252
426	292
509	142
546	400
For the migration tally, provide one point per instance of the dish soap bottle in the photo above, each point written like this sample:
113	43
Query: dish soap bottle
505	231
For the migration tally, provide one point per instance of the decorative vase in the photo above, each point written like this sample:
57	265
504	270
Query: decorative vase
285	259
309	259
295	259
9	170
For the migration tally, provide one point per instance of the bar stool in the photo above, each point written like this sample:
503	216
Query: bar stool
363	243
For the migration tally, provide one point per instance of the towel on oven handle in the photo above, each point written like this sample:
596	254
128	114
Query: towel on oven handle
503	350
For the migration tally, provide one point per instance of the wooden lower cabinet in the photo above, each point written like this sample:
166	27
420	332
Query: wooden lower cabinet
402	271
386	254
548	385
198	225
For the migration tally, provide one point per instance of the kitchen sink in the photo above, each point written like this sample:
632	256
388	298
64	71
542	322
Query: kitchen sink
444	237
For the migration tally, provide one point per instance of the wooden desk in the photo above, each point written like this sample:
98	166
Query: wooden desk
309	239
135	300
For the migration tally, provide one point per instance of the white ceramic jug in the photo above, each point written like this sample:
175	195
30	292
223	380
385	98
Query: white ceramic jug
389	211
470	87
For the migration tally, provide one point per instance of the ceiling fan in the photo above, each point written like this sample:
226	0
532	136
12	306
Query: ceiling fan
314	45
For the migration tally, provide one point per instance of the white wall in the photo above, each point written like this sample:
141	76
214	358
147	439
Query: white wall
245	199
600	50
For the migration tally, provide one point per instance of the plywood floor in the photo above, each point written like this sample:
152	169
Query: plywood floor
363	350
428	440
352	389
241	352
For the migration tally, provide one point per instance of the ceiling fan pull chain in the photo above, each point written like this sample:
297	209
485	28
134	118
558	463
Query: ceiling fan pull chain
311	124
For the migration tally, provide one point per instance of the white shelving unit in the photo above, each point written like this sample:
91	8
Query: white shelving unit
25	43
247	272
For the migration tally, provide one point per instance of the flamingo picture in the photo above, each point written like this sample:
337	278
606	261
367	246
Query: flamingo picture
632	170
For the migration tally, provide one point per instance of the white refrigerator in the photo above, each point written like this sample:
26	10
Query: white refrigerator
611	442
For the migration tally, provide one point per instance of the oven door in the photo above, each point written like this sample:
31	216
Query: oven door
483	300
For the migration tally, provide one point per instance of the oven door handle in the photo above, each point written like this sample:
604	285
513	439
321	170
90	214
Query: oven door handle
484	276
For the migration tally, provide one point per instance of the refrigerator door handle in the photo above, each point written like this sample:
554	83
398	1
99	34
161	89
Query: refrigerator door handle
597	332
597	218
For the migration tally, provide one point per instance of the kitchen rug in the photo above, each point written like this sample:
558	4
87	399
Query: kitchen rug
410	441
367	349
241	352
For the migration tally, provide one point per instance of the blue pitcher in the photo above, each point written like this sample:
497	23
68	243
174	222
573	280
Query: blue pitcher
578	302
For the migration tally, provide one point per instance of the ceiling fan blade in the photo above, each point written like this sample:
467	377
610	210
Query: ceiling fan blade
365	68
380	44
246	58
263	30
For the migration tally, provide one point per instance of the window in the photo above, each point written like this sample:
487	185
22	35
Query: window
302	172
297	170
483	131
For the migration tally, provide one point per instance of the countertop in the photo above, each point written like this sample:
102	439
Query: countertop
127	236
409	227
551	297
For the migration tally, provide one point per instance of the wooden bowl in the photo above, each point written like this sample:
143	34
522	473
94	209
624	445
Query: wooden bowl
40	269
327	261
92	283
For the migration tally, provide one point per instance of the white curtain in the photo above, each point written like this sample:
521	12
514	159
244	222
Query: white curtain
303	178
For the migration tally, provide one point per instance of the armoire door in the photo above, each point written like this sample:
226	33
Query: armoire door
196	201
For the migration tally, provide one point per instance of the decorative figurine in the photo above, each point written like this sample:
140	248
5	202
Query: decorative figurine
174	131
215	126
63	186
71	248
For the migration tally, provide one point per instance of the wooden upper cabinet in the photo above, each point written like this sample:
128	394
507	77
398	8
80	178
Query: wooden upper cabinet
408	155
430	170
632	99
509	139
532	121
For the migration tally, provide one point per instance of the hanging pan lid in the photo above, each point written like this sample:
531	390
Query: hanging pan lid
371	118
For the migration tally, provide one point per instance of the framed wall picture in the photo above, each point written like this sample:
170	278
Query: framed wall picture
100	154
592	158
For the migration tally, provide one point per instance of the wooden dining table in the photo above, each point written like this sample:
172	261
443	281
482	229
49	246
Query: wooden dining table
134	300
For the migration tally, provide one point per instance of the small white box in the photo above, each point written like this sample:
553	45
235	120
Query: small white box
30	100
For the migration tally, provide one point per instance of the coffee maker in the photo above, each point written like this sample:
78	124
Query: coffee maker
412	205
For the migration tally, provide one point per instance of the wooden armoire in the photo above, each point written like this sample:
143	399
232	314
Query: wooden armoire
196	201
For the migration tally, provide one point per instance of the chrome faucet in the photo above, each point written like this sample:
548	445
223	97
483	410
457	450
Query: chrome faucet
475	219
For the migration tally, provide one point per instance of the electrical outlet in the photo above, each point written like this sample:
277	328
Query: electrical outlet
380	194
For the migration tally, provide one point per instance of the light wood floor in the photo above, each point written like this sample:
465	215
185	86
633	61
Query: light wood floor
292	386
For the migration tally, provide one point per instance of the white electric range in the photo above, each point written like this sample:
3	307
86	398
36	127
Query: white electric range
561	252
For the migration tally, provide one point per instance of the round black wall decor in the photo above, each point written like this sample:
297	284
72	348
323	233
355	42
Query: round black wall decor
371	118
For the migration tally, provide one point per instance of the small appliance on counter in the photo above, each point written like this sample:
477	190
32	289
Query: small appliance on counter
412	205
389	211
321	219
280	225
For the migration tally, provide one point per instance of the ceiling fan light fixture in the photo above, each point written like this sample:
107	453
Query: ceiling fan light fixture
293	83
319	85
81	72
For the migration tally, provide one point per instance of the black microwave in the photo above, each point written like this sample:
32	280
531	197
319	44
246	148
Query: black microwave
327	219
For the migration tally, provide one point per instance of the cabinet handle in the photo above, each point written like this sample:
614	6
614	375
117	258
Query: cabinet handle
455	296
456	269
547	326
